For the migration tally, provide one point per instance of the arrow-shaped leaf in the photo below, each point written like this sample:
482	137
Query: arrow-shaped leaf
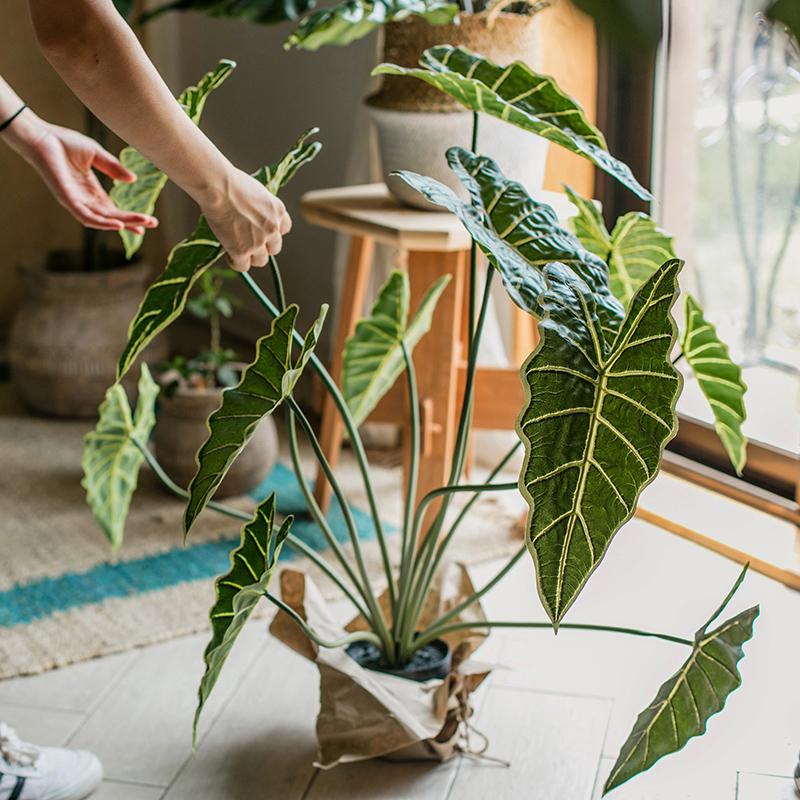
142	195
111	461
517	94
598	414
373	355
353	19
166	298
265	384
238	592
635	249
719	379
685	702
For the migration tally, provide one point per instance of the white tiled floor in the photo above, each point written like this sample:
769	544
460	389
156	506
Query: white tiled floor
559	712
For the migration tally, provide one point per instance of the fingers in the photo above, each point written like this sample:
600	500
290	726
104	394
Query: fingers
109	165
239	263
91	219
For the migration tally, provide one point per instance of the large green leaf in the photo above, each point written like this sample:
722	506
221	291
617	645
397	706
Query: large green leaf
520	96
354	19
111	461
686	701
264	12
166	298
265	384
519	235
142	195
719	379
373	355
635	249
238	592
598	413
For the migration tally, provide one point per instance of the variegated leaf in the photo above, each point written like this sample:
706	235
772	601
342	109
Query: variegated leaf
519	95
373	355
598	414
719	379
142	195
111	461
166	298
253	564
685	702
265	384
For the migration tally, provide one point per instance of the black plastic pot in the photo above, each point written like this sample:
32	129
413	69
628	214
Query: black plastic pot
431	661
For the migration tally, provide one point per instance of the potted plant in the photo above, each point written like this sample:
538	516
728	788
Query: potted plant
192	389
601	389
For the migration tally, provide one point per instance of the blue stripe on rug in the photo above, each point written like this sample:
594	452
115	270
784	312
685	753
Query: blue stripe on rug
28	602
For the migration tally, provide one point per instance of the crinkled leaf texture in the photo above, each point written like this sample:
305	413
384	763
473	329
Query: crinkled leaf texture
600	407
264	12
238	592
166	298
265	384
719	379
111	461
353	19
373	355
142	195
686	701
635	249
519	95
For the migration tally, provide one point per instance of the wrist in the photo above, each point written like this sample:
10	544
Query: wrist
24	133
211	189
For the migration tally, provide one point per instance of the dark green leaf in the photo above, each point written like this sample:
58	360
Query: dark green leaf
265	384
719	379
696	692
599	411
354	19
142	195
238	592
517	94
166	298
264	12
786	12
111	462
373	355
635	249
124	7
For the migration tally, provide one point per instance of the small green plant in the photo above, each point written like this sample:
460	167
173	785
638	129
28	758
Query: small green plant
600	389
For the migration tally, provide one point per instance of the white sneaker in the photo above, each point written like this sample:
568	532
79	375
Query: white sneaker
28	772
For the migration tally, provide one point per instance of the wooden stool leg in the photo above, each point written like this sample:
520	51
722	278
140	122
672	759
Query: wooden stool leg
437	358
351	305
525	336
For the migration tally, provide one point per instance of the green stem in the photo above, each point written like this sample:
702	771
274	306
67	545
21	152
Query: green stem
356	636
377	615
437	633
352	432
235	513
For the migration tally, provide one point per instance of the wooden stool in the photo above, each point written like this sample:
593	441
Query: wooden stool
432	244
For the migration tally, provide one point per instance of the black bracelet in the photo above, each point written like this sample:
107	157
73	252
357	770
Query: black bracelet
12	117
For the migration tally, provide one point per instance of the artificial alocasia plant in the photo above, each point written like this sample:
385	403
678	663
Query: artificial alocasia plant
600	395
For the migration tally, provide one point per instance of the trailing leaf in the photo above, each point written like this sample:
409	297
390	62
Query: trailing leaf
685	702
264	12
111	461
373	355
599	411
519	235
353	19
141	196
719	379
166	298
238	592
633	251
517	94
265	384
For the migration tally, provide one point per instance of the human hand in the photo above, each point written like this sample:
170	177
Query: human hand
66	161
248	220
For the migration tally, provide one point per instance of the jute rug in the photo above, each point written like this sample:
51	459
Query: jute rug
65	598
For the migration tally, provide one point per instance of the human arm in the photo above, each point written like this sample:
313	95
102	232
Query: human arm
101	60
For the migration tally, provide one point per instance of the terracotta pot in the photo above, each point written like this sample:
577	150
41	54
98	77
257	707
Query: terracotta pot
181	430
69	333
415	123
